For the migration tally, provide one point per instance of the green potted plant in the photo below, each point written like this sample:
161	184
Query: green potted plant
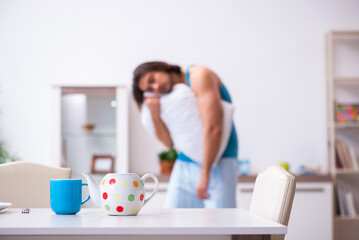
5	156
167	160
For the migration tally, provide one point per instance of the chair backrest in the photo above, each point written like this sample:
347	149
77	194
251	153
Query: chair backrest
273	196
27	185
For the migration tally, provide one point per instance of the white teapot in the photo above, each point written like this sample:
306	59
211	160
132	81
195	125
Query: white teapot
120	193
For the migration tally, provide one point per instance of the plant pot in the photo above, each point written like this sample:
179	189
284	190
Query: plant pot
166	167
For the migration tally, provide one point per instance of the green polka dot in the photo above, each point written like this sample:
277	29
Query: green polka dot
131	197
142	183
107	207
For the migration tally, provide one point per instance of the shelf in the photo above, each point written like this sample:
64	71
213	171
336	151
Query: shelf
346	80
347	125
343	88
345	35
346	228
340	218
346	171
343	125
93	134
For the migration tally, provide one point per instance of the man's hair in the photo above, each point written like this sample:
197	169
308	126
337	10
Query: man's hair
146	67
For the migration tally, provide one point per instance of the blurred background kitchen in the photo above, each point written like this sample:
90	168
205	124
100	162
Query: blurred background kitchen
269	54
66	72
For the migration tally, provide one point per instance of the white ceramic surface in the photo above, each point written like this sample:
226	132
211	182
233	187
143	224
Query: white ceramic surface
4	205
121	194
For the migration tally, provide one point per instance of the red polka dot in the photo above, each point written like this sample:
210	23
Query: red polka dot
104	195
141	197
119	209
112	181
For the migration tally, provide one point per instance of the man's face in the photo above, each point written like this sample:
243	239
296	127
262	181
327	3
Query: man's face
156	82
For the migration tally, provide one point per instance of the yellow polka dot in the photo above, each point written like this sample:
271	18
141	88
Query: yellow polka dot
133	209
117	196
125	183
135	183
103	181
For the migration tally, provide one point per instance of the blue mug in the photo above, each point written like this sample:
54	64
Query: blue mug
66	195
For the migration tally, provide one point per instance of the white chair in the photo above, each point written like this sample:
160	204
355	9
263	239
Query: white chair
27	185
273	196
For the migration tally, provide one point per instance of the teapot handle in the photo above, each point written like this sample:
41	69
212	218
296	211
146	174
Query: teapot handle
143	179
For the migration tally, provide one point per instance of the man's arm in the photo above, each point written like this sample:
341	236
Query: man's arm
205	86
161	130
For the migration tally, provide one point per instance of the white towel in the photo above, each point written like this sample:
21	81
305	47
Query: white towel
180	113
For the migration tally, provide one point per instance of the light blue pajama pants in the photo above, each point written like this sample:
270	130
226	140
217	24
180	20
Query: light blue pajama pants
181	191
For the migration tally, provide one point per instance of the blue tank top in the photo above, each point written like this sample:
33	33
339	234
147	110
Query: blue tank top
231	150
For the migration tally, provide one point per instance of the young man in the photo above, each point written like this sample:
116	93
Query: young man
192	184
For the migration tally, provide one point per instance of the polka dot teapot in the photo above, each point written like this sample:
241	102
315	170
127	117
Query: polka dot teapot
120	193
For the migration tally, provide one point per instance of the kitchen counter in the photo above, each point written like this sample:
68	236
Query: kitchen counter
252	178
298	178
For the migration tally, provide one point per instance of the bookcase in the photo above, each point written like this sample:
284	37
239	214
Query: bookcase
342	92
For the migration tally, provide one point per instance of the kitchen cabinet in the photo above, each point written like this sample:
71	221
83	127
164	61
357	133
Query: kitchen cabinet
158	200
312	210
90	120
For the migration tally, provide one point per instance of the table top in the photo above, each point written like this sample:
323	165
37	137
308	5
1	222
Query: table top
89	221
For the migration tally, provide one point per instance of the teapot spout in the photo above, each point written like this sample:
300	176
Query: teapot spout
94	189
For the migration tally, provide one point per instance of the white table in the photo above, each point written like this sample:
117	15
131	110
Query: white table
42	223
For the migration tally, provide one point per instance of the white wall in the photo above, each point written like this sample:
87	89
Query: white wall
270	54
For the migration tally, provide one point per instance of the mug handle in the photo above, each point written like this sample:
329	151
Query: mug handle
143	179
85	184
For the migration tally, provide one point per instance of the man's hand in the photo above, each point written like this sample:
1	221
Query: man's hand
202	186
161	131
153	104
